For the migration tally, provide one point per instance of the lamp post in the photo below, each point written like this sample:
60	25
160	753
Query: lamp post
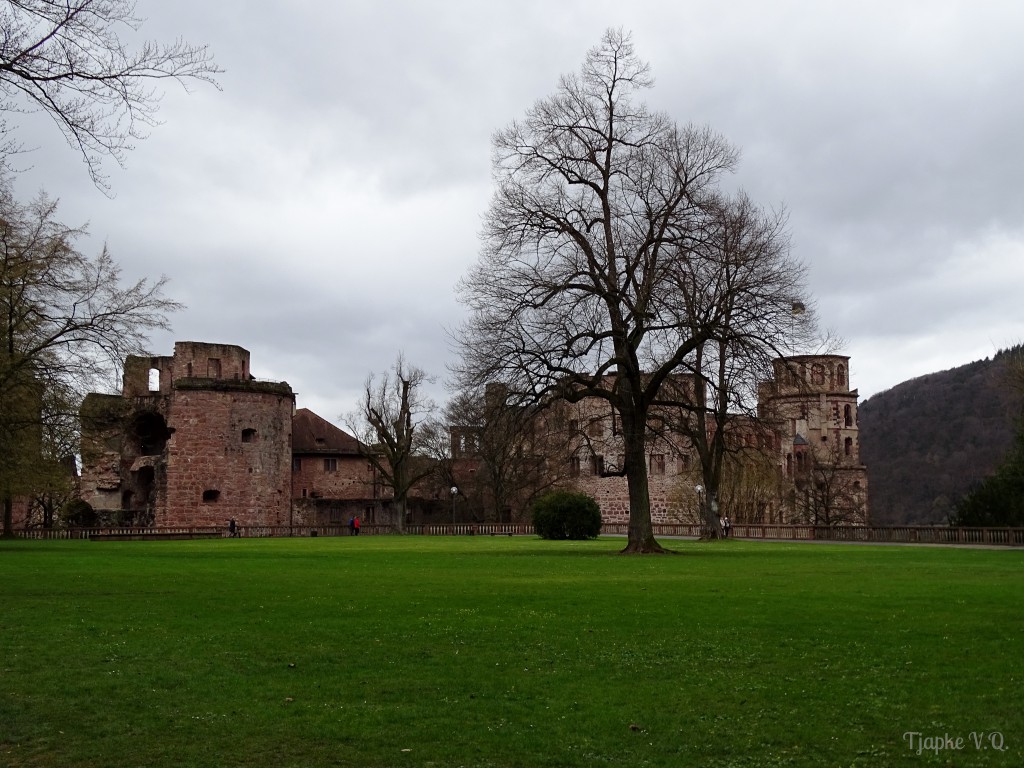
454	492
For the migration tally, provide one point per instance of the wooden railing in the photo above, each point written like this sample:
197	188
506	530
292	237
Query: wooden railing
890	534
899	534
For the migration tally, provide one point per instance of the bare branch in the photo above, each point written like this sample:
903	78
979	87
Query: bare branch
67	59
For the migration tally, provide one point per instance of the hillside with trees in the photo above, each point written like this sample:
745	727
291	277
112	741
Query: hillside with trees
928	441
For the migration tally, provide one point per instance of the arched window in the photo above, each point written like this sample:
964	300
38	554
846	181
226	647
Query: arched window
818	374
841	376
154	379
848	446
848	415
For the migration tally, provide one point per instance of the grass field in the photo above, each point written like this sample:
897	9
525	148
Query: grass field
481	651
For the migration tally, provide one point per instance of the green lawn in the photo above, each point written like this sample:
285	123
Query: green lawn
482	651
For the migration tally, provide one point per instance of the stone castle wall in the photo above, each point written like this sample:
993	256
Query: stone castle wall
333	477
228	457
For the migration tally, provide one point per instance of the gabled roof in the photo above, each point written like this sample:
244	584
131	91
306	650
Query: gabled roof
313	434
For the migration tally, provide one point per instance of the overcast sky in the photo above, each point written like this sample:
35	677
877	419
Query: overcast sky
319	210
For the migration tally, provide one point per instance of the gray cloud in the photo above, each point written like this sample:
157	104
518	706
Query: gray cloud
320	209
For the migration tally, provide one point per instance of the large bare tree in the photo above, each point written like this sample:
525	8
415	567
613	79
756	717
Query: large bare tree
389	426
67	58
66	325
741	273
599	203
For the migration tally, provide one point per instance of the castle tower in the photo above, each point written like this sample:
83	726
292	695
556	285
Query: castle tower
193	440
813	411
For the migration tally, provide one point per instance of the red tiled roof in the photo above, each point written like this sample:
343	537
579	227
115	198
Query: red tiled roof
313	434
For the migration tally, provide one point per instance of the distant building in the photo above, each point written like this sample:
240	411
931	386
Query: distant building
195	440
812	410
798	461
332	480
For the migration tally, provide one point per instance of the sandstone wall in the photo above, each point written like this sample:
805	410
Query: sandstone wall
228	457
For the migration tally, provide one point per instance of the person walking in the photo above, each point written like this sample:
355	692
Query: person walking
355	525
728	526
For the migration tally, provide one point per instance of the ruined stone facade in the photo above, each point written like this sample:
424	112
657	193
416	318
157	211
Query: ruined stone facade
799	461
595	452
812	412
193	439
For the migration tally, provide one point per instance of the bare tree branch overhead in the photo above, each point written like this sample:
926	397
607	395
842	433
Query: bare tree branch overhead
69	60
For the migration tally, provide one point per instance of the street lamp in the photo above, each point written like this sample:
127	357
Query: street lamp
454	492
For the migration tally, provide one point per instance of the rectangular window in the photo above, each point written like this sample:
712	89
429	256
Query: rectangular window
657	464
330	465
684	462
574	466
597	465
596	428
296	464
213	367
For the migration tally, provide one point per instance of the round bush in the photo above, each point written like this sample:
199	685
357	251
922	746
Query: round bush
566	515
79	514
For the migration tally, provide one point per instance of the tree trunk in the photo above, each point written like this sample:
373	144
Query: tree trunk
641	539
401	506
712	516
8	532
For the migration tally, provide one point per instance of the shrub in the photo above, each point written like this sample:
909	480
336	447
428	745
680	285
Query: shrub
79	514
566	515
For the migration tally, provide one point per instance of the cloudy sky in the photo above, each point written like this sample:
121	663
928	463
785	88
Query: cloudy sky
320	208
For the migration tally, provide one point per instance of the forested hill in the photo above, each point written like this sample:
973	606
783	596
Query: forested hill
928	440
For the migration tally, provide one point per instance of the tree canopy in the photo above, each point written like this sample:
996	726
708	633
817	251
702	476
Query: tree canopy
67	322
